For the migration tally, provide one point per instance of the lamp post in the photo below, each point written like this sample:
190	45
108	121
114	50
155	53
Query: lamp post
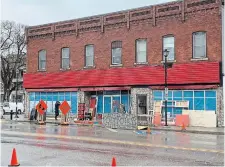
17	72
166	53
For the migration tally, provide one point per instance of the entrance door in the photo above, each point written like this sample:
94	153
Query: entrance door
107	104
115	103
141	104
111	104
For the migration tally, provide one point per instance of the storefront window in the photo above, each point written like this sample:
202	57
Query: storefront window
198	99
51	97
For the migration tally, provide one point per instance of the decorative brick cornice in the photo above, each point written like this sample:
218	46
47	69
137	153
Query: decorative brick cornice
179	9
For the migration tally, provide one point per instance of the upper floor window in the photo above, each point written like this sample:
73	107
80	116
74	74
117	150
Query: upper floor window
116	52
199	45
42	60
168	43
65	58
89	55
141	51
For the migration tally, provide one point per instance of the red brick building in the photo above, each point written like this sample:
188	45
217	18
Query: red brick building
119	57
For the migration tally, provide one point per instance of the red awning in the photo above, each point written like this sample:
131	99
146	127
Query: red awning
179	74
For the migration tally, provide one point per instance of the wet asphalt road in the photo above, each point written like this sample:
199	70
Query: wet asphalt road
52	145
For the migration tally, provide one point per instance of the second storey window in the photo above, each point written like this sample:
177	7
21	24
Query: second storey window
89	55
42	60
141	51
116	52
65	58
199	45
168	43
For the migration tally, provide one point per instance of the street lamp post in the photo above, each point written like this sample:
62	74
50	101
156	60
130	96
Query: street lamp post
17	72
166	53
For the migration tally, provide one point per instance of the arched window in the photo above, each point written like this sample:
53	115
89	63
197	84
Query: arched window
42	60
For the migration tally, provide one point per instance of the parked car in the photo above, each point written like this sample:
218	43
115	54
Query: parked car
8	106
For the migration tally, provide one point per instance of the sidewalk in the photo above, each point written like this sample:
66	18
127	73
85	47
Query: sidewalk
198	130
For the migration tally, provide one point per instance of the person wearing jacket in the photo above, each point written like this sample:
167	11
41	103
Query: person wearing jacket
57	104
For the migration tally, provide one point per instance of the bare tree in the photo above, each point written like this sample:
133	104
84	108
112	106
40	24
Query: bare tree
13	53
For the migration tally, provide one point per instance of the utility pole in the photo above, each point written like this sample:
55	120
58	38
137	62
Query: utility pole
17	72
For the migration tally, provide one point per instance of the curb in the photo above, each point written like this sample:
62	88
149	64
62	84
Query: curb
152	128
189	131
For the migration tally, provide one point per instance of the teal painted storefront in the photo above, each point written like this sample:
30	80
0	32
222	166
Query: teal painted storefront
51	97
198	99
105	100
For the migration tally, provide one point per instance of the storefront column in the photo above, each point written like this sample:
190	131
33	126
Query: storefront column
26	103
141	91
81	96
220	109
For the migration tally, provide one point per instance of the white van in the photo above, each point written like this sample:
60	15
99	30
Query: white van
8	106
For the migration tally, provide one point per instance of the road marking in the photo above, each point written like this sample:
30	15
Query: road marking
112	130
90	139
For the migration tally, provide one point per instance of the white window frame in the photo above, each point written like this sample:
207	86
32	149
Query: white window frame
40	60
139	52
168	58
194	45
64	57
114	56
89	55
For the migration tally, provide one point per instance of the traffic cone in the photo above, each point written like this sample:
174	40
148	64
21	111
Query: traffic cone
14	161
148	130
114	161
183	127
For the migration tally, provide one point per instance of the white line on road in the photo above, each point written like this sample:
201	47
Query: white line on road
112	130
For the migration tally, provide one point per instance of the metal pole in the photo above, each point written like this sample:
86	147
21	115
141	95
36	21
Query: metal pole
223	56
16	92
166	91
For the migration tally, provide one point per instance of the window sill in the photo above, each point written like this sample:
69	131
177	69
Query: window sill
116	65
64	69
144	63
169	61
200	59
89	67
43	70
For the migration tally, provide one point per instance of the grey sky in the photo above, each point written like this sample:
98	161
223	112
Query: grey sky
34	12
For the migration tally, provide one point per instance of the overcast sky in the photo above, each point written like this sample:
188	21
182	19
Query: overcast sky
34	12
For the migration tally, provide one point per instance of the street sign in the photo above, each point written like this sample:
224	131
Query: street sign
41	107
64	107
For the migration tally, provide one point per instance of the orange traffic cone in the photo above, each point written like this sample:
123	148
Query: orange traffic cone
183	127
114	161
148	130
14	161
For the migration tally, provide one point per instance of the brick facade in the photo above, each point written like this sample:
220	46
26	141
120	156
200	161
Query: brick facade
180	19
